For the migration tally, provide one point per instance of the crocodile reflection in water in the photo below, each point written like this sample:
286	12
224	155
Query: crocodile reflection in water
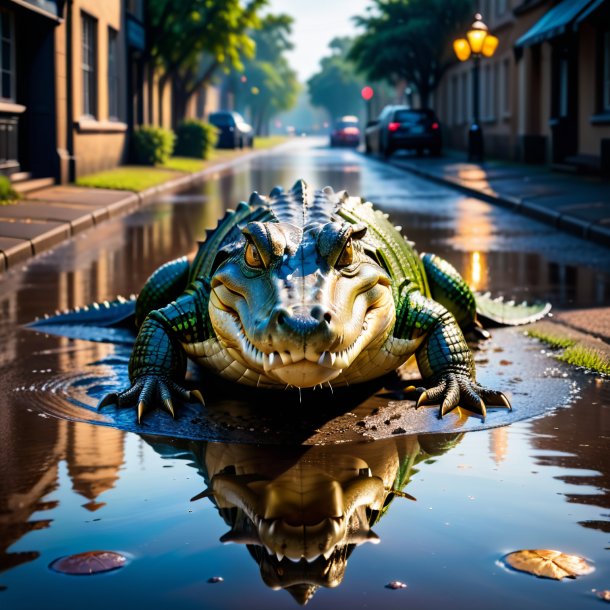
301	511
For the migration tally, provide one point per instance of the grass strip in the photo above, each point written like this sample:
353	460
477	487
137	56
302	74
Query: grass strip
139	177
587	358
574	353
552	340
128	178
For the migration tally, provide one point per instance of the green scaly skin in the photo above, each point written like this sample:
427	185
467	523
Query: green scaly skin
299	289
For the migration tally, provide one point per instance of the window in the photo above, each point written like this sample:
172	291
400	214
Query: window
606	74
563	87
488	89
89	60
504	88
453	101
113	75
7	57
465	98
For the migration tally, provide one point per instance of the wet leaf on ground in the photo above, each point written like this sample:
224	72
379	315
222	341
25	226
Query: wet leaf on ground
603	595
396	584
546	563
90	562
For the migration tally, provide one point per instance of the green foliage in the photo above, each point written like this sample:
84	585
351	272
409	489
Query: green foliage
410	40
7	192
152	145
337	86
268	84
191	39
195	139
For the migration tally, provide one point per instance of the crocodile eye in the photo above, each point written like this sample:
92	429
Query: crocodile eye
252	256
347	255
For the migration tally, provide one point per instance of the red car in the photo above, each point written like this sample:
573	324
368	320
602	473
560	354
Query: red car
346	132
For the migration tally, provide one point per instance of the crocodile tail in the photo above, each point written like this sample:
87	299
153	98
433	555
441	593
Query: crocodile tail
107	322
508	313
120	312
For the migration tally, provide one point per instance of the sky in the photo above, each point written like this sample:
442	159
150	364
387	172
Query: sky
316	23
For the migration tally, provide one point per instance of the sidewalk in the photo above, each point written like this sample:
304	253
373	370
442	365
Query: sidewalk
48	216
577	204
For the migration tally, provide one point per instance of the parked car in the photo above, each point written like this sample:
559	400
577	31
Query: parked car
400	127
346	132
233	131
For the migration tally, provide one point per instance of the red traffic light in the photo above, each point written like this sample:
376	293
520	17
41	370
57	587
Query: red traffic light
367	93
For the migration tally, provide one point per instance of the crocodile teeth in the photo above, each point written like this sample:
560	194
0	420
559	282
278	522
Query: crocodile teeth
286	357
272	361
327	359
329	553
311	559
279	556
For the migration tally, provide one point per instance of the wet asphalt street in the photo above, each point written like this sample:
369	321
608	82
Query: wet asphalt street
69	486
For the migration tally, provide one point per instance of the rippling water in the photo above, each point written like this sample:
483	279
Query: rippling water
435	511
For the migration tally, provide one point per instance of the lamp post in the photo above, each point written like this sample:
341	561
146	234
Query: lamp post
478	43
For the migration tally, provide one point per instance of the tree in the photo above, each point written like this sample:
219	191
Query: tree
268	85
407	40
337	86
191	39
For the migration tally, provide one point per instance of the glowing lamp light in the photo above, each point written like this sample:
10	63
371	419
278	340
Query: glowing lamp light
461	49
490	44
367	93
478	41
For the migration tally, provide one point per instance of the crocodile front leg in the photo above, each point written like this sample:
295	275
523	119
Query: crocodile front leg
158	362
445	360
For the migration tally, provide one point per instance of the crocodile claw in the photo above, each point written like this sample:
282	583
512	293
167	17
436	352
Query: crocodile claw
150	391
108	400
195	395
454	390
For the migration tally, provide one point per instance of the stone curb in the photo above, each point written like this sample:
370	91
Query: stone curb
15	252
567	222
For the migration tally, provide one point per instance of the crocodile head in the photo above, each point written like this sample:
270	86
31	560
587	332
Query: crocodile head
299	302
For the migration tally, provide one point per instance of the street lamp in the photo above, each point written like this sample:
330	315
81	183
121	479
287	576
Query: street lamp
478	42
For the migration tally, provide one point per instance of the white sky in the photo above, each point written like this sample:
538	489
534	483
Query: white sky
316	23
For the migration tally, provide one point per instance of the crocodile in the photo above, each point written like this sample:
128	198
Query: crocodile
305	288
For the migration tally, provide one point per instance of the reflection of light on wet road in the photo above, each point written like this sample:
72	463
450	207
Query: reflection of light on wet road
476	270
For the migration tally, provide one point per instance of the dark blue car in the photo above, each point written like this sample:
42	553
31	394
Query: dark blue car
233	131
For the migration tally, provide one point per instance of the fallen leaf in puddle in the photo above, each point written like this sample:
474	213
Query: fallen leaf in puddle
546	563
396	584
603	595
91	562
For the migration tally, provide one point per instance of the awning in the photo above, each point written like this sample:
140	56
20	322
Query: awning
556	22
589	11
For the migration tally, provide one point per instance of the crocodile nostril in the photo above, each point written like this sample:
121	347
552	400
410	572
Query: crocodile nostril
320	313
281	318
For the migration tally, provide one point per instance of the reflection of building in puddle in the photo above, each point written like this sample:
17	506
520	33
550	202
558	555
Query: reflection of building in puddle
29	458
302	511
574	444
498	444
94	456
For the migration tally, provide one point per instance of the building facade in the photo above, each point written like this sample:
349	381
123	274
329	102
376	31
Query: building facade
75	79
545	94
